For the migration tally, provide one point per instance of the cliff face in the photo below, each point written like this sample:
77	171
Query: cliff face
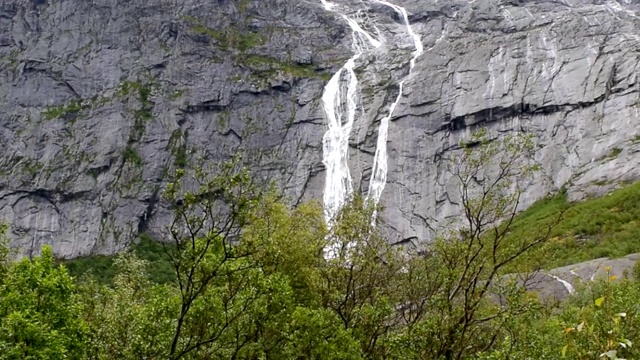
565	71
99	100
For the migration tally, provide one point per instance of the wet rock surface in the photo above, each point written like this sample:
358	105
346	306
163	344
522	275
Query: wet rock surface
560	283
99	101
565	71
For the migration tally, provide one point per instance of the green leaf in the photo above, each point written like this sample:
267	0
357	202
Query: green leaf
564	350
625	343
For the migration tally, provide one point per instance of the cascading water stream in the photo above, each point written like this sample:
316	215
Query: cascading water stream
564	283
338	186
340	106
379	173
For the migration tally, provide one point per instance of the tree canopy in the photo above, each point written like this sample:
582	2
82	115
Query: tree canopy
250	281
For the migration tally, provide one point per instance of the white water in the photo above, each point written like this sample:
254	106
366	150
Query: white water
341	92
566	284
341	106
379	173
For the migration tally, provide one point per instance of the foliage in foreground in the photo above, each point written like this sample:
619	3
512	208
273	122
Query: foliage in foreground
250	281
40	313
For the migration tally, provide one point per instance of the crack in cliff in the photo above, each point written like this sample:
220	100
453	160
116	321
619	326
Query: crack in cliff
550	86
145	218
53	197
489	115
204	106
231	132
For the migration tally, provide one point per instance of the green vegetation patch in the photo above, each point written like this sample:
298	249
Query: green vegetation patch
178	147
32	166
267	66
242	40
131	155
102	267
243	5
144	113
160	268
230	38
143	91
602	227
55	112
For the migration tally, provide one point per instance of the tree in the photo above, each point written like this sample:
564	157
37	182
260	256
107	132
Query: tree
131	319
39	310
244	263
459	302
361	282
207	222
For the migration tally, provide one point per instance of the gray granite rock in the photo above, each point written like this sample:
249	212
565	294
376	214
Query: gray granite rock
97	100
560	283
564	71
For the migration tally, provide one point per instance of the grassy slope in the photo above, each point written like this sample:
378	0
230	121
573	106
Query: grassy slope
602	227
607	226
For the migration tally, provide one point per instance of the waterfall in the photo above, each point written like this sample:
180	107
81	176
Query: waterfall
379	173
338	187
340	107
565	283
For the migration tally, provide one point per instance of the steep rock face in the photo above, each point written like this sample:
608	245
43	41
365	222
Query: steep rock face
566	71
98	101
